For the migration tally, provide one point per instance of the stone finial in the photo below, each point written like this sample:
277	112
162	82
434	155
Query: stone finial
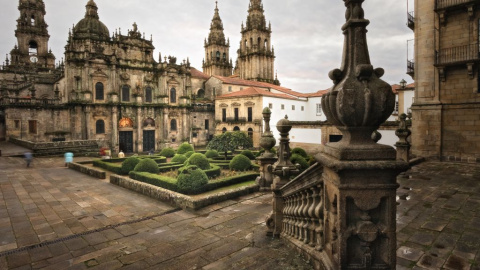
403	146
359	101
267	141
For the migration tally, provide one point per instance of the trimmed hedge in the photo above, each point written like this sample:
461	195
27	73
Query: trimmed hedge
170	167
155	179
167	152
211	154
129	164
198	160
214	171
184	148
248	154
299	151
189	153
240	163
179	158
232	180
296	158
158	159
112	167
191	180
147	165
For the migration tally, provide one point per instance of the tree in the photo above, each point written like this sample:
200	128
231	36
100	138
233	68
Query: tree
229	141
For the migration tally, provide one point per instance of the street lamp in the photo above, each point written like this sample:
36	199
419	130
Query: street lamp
403	84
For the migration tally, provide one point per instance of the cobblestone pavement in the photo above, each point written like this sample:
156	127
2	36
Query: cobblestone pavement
55	218
438	217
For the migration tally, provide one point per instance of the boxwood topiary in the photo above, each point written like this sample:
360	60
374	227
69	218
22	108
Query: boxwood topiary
184	148
191	179
147	165
299	151
248	154
211	154
167	152
296	158
240	163
199	160
189	153
179	158
129	164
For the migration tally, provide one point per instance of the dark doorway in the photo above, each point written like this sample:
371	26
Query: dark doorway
3	128
334	138
148	140
126	141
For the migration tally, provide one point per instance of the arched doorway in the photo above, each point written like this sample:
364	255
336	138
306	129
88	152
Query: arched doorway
126	135
149	134
236	128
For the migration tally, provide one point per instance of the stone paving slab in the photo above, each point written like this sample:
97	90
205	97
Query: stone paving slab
437	217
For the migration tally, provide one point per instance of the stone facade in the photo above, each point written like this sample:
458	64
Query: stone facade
446	112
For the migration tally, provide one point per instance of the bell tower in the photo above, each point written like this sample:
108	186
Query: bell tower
32	36
256	56
217	60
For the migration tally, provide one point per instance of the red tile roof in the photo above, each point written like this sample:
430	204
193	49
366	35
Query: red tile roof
396	87
318	93
198	74
252	92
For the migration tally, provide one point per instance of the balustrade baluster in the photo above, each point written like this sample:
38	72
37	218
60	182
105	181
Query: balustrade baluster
319	215
300	217
313	219
306	217
298	199
287	215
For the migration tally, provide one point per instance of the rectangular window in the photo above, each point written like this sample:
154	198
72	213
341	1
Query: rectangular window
250	114
319	108
235	110
207	124
270	105
224	115
303	108
32	126
396	108
282	107
17	124
293	107
229	89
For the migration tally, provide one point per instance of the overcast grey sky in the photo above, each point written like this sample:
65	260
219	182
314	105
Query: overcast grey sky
306	33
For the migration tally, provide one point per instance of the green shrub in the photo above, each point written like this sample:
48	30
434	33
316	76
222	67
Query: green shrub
273	150
311	160
214	171
248	154
232	180
199	160
170	167
191	179
155	179
129	164
113	167
189	153
167	152
299	151
211	154
179	159
296	158
184	148
158	159
240	163
147	165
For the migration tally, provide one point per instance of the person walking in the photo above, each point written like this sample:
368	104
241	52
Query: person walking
28	158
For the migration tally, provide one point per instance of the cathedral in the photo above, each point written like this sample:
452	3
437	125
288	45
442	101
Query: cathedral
110	88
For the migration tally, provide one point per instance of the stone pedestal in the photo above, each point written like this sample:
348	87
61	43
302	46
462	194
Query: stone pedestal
360	212
265	180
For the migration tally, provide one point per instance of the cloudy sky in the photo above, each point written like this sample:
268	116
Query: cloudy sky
306	33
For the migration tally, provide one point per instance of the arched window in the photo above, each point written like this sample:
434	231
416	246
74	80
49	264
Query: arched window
266	43
224	130
236	128
250	133
245	43
218	56
259	41
32	20
99	91
173	95
173	125
224	57
100	127
149	122
125	93
201	93
32	48
148	94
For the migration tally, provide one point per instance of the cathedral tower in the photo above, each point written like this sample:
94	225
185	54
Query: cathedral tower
32	36
256	55
217	60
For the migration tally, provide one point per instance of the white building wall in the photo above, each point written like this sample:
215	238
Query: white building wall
408	97
303	135
388	137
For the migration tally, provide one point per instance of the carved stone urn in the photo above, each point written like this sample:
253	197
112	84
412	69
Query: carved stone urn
359	101
267	141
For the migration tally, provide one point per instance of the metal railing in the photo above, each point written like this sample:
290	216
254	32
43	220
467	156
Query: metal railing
410	20
458	54
439	4
410	67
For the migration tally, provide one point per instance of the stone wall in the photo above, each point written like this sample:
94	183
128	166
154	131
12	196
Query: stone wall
87	170
55	148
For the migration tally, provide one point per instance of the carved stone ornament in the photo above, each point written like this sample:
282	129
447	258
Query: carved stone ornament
249	103
223	105
98	73
124	76
236	104
149	77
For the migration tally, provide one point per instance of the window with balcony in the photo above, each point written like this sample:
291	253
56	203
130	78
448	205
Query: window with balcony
125	93
148	95
100	127
235	114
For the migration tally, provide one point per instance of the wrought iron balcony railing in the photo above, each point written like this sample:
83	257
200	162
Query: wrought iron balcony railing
456	55
411	20
410	67
443	4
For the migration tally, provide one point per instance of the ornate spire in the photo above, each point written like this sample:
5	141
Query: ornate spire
216	35
92	10
256	17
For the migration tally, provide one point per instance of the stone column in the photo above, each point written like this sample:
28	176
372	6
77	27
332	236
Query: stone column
359	174
403	146
265	180
283	169
88	128
139	140
114	142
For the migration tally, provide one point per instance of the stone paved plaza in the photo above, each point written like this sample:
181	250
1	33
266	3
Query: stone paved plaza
55	218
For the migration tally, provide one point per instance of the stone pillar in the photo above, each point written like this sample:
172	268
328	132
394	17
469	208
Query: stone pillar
359	175
139	140
265	180
88	128
114	142
403	146
283	169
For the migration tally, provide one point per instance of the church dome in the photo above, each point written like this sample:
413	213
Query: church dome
91	27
